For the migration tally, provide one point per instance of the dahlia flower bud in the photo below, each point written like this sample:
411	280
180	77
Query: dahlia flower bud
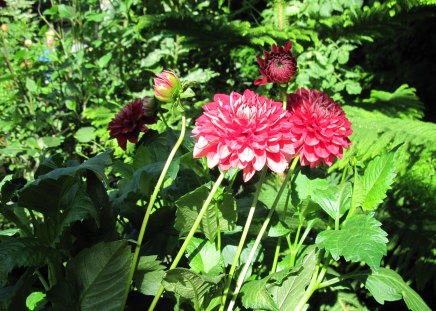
246	132
319	126
167	86
279	65
131	120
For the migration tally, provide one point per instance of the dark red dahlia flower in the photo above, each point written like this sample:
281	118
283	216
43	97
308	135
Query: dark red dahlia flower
131	120
279	66
320	127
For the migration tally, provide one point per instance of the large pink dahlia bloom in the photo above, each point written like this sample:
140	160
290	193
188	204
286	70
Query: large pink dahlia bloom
244	131
279	65
319	126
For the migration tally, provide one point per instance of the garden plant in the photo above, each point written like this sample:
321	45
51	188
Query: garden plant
217	155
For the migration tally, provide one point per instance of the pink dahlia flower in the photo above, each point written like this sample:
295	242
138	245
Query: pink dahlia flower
245	132
320	127
166	86
131	120
279	66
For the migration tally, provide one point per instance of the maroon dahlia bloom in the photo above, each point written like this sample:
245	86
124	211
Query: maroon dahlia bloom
279	65
320	127
131	120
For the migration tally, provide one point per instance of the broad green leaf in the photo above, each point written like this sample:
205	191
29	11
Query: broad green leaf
288	291
23	252
31	85
201	75
308	187
204	257
104	60
387	285
334	200
190	285
100	274
80	208
85	134
360	239
377	180
281	290
190	205
9	232
149	275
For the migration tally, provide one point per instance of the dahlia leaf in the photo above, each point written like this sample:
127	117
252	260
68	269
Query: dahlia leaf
149	275
191	286
23	252
281	290
204	257
223	215
335	201
360	239
377	180
387	285
100	274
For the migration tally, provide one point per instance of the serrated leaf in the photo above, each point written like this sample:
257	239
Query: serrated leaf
281	290
377	180
23	252
204	257
335	201
190	285
189	206
149	275
100	274
359	239
387	285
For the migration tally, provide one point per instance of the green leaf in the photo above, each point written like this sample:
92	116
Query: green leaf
288	291
104	60
66	11
377	180
360	239
204	257
35	301
387	285
335	201
100	274
190	285
85	134
189	206
23	252
81	207
281	290
149	275
31	85
201	75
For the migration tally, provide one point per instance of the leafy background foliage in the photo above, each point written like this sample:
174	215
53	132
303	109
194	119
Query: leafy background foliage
373	57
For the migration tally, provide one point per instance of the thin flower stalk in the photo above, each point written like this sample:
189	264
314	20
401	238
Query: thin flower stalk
265	224
149	208
190	236
242	240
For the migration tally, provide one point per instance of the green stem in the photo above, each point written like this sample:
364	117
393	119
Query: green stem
218	229
276	255
42	280
149	208
242	240
352	205
250	258
190	236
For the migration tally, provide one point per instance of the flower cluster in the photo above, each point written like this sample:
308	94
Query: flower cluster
250	131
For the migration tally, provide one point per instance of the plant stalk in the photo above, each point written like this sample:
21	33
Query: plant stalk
149	208
190	236
242	240
265	224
